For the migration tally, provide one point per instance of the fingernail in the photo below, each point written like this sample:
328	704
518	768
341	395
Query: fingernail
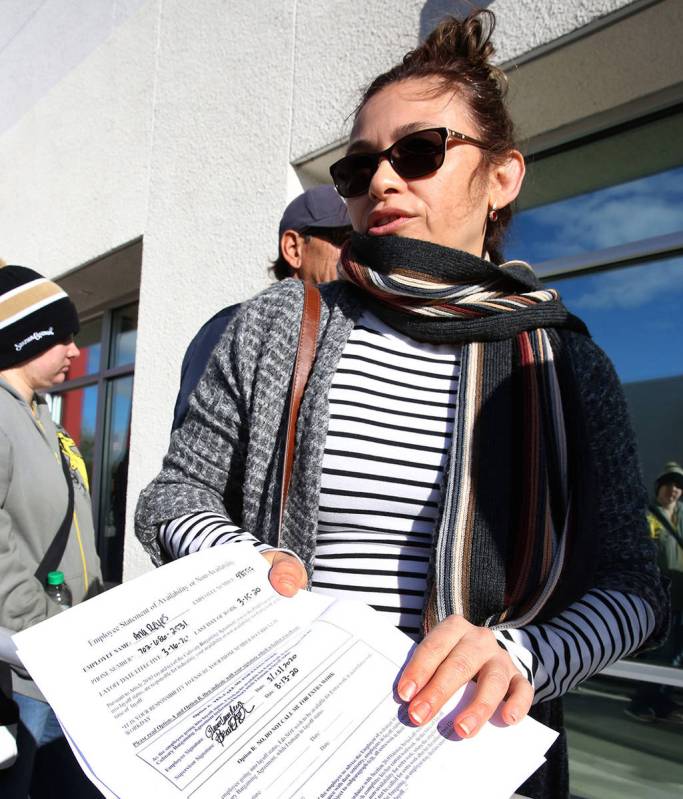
467	724
420	712
407	690
513	716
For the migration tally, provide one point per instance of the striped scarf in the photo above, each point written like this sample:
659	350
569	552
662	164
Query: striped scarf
508	508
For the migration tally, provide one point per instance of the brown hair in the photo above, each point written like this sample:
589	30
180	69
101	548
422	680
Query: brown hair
457	55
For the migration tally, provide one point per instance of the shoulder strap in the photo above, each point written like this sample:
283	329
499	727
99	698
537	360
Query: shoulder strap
53	556
308	338
657	511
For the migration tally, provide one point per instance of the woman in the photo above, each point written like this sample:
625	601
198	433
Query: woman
464	460
37	325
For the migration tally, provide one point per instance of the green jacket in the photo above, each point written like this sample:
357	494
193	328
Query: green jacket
33	502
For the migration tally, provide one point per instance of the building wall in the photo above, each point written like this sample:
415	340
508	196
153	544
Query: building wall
356	41
76	91
179	122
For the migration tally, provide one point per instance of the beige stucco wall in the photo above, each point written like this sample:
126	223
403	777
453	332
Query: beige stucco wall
342	45
611	67
218	184
76	128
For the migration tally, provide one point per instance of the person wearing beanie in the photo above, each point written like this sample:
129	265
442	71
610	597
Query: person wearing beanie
653	702
665	517
45	513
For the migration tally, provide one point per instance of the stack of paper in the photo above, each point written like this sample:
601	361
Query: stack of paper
199	680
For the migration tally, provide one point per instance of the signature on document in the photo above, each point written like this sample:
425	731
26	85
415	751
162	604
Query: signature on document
227	722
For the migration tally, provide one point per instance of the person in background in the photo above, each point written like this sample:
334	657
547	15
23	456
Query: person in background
465	462
37	324
653	702
665	517
312	230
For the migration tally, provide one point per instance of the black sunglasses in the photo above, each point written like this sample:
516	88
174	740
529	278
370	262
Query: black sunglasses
413	156
334	235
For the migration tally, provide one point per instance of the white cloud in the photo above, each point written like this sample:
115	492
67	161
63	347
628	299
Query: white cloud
630	287
619	214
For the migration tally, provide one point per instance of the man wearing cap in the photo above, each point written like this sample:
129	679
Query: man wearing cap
45	513
312	230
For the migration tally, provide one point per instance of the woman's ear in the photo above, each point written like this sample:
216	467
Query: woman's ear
505	180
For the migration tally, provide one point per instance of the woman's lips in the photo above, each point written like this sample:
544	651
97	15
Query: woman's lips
386	224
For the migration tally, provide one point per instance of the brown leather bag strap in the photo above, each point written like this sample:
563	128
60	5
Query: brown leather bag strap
305	354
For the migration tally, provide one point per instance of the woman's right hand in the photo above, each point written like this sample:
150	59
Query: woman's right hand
287	574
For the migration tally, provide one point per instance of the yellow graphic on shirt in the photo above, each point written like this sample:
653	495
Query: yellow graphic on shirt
70	450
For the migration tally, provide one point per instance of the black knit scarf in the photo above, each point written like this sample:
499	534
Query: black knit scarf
514	525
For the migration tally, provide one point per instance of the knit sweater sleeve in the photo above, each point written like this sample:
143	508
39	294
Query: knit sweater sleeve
204	469
627	557
628	605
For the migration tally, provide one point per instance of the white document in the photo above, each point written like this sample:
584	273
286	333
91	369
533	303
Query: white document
198	680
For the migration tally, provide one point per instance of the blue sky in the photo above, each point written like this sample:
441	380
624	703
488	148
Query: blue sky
638	209
635	314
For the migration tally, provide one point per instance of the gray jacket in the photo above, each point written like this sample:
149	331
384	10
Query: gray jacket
227	455
33	502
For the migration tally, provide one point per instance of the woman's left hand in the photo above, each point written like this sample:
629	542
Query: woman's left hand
450	655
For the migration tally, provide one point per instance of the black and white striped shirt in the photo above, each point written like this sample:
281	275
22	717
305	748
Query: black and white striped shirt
392	408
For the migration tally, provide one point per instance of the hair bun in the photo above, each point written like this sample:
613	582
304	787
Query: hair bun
468	39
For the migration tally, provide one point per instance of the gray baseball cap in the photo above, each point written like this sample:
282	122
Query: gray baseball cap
320	206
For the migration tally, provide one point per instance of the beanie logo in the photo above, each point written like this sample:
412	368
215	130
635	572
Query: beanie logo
19	346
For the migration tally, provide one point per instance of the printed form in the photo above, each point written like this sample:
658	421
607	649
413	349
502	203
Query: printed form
198	680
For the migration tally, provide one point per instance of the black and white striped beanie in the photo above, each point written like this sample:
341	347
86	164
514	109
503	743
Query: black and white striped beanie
35	314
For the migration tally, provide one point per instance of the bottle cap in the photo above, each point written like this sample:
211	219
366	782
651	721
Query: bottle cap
55	578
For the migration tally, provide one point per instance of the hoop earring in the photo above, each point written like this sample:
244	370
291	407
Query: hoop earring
493	213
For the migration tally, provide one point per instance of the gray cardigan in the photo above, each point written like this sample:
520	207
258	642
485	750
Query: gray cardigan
227	455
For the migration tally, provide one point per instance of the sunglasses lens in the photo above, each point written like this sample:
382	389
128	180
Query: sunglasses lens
335	236
418	154
413	156
352	174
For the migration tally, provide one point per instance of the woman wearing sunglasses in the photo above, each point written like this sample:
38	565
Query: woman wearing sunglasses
465	463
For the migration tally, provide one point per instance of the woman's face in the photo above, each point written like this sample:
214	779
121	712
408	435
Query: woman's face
50	367
447	207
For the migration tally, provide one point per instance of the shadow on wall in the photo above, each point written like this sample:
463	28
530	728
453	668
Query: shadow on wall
434	11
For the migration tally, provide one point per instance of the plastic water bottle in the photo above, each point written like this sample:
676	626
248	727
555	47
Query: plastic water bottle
58	590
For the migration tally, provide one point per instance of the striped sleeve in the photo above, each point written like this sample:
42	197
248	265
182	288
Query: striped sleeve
595	631
195	531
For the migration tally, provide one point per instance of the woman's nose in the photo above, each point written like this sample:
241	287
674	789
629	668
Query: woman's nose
385	180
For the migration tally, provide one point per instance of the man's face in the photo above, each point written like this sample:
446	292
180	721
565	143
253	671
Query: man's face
319	257
313	253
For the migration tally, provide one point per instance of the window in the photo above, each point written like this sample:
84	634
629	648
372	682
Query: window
602	221
94	406
613	190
